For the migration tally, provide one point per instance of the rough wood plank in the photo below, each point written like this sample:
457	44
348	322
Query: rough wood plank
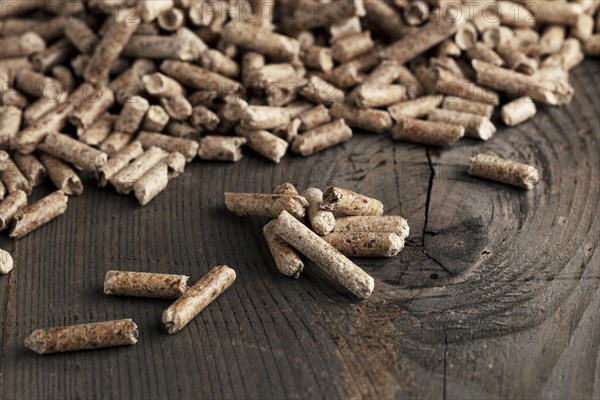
496	294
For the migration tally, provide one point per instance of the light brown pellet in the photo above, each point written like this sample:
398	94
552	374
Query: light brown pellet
347	202
334	264
321	221
218	62
53	121
37	85
120	161
10	206
197	298
181	129
504	171
384	17
187	147
10	124
265	42
314	117
145	284
129	83
119	30
322	14
552	39
39	213
153	182
6	262
554	12
352	46
377	95
366	244
515	15
92	106
124	180
31	167
321	138
21	45
221	148
569	56
99	130
171	20
156	119
200	78
161	47
518	111
317	57
132	114
265	204
286	188
592	46
449	48
41	107
446	82
264	117
266	75
427	132
83	337
60	52
115	142
81	36
320	91
64	76
468	106
170	93
204	117
481	51
11	175
415	108
62	176
368	119
79	154
517	60
381	223
476	126
264	143
287	260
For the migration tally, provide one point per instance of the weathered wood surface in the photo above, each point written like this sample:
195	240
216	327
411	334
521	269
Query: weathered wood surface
497	294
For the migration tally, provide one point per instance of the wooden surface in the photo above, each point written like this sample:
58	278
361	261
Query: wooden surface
497	294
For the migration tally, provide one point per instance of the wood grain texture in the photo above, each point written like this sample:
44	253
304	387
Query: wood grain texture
497	294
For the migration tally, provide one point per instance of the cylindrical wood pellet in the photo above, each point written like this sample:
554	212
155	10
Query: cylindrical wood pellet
197	298
221	148
31	167
152	183
83	337
368	119
325	256
366	223
10	124
132	115
317	57
352	46
187	147
264	143
321	138
124	180
61	175
321	221
261	40
468	106
81	35
264	117
156	119
427	132
476	126
6	262
39	213
120	161
286	188
73	151
347	202
115	142
314	117
320	91
28	139
92	106
518	111
416	108
10	206
287	260
21	45
377	95
200	78
11	175
145	284
366	244
265	204
504	171
99	130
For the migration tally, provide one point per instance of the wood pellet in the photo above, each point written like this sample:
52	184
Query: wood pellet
145	284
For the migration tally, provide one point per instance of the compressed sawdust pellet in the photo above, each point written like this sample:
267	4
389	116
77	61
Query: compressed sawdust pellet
347	202
265	204
504	171
197	298
264	117
381	223
320	91
170	93
261	40
203	117
21	45
221	148
189	148
286	188
368	119
314	117
377	95
11	175
37	85
151	183
264	143
415	108
120	161
10	206
427	132
73	151
124	180
6	262
321	221
131	116
41	107
39	213
468	106
99	130
81	35
518	111
335	264
200	78
366	244
145	284
83	337
321	138
93	106
115	142
476	126
31	167
156	119
61	175
287	260
10	124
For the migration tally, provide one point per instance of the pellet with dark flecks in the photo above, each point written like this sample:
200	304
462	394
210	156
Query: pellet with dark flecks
170	93
31	167
10	206
205	118
262	40
120	161
347	202
39	213
10	124
11	175
145	284
352	46
325	256
37	85
504	171
321	138
264	142
6	262
314	117
264	117
115	142
81	35
377	95
286	188
92	107
153	182
28	139
321	221
187	147
129	82
99	130
132	114
317	57
62	175
416	108
221	148
73	151
156	119
23	45
83	337
380	223
320	91
287	260
41	107
476	126
126	178
197	298
518	111
200	78
468	106
427	132
368	119
366	244
265	204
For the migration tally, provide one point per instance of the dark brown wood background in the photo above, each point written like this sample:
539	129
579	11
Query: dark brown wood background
496	295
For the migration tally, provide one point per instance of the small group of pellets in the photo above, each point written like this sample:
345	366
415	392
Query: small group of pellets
190	301
325	227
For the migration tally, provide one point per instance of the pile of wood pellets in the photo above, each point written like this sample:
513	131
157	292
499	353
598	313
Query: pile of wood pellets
360	231
130	91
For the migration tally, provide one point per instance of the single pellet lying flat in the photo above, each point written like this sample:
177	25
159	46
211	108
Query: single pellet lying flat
83	337
39	213
197	298
287	260
321	221
334	263
145	284
265	204
504	171
347	202
382	223
366	244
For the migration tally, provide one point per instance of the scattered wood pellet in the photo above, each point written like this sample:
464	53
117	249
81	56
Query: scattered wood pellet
476	126
504	171
347	202
11	175
518	111
120	161
197	298
79	154
322	137
467	106
369	119
189	148
415	108
334	263
124	180
10	206
83	337
366	244
427	132
6	262
321	221
62	176
265	204
381	223
287	260
264	142
145	284
39	213
221	148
